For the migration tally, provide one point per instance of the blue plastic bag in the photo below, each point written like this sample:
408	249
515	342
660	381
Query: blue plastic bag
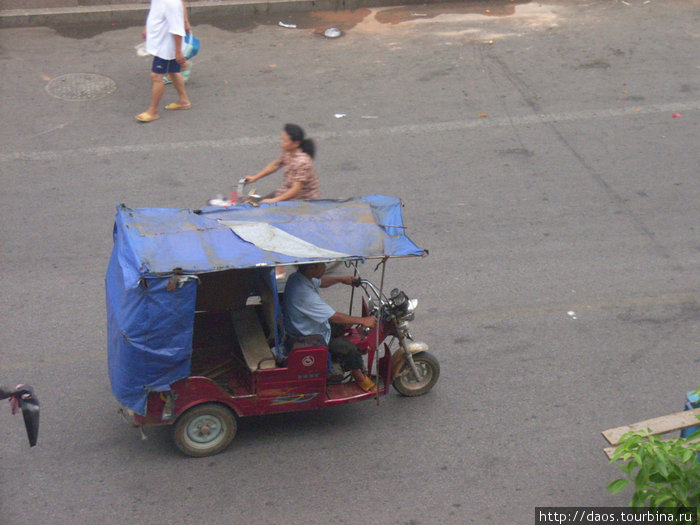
190	47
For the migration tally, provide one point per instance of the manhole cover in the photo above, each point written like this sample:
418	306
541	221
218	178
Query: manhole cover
81	86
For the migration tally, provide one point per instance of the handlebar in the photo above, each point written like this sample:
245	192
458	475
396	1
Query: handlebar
18	392
23	398
368	285
396	306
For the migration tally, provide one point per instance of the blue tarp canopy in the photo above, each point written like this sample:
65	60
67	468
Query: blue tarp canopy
149	327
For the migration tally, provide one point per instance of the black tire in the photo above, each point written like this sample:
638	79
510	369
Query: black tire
205	430
428	366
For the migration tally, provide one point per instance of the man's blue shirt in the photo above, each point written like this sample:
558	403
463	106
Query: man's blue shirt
305	313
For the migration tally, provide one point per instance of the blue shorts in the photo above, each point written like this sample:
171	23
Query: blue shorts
163	67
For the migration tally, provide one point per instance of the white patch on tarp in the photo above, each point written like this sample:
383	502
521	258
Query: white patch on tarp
272	239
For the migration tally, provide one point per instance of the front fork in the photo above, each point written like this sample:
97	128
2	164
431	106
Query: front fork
409	356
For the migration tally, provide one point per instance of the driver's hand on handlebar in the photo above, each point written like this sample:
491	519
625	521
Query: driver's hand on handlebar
369	322
349	280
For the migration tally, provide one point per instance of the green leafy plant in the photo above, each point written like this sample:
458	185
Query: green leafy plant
665	472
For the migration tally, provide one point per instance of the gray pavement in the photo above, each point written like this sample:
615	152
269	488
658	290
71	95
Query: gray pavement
537	152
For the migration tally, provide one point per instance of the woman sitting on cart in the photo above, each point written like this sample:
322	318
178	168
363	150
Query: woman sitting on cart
300	180
305	313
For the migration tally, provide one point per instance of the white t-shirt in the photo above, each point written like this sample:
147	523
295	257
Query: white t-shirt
165	19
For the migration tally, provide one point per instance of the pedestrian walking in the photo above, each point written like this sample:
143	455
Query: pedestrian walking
165	28
186	73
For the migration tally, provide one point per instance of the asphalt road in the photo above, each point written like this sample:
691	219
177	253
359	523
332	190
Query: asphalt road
538	154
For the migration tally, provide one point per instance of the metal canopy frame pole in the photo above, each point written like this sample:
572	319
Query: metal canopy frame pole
379	317
352	292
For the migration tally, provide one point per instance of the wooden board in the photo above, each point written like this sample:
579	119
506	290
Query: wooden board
251	339
658	425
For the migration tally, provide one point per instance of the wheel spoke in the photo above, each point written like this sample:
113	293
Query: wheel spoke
425	372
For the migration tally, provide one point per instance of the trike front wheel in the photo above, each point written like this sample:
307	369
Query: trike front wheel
429	369
204	430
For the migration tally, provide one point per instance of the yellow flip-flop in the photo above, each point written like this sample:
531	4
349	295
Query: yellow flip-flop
146	117
175	105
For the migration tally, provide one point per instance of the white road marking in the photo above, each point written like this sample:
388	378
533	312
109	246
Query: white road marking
456	125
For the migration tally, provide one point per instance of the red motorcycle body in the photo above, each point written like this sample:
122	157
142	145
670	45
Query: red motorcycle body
300	384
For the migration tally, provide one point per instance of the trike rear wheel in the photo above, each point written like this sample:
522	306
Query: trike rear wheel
205	430
408	385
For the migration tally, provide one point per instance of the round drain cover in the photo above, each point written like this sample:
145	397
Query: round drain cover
81	86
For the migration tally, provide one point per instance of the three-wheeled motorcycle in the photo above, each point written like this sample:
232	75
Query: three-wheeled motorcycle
195	328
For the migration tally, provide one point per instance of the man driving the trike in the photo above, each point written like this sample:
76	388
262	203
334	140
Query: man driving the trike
305	313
